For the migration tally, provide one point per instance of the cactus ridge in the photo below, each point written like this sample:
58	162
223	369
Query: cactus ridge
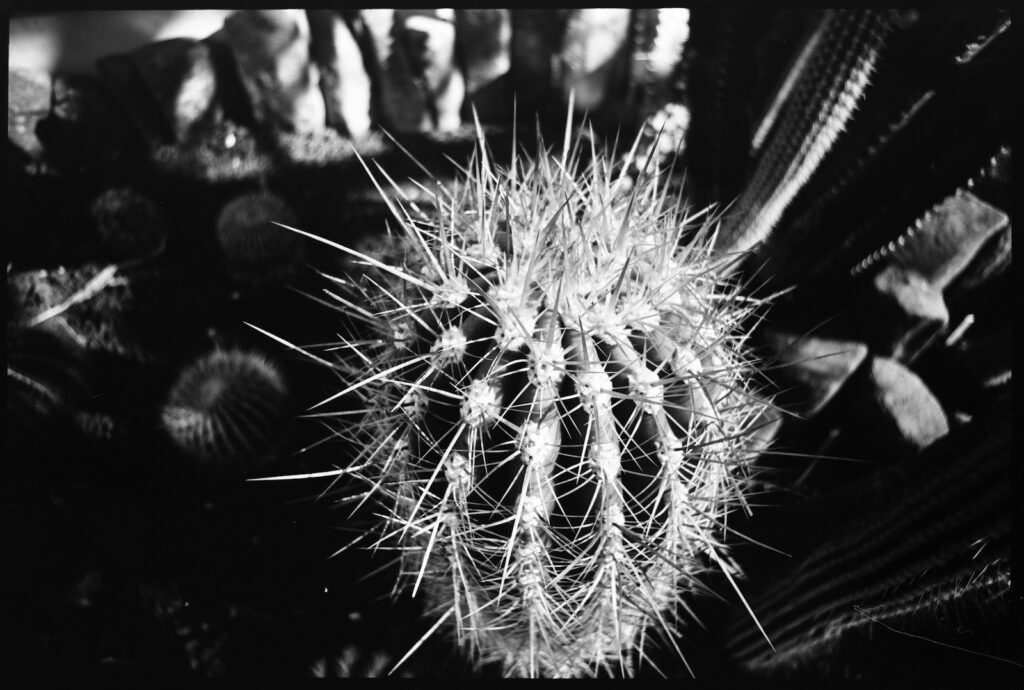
824	98
559	409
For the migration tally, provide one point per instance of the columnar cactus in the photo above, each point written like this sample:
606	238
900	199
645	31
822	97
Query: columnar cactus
560	413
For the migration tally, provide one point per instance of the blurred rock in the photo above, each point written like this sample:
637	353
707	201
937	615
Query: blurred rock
344	80
992	260
594	55
28	101
484	39
536	38
896	413
402	102
430	44
902	314
121	76
949	237
87	130
180	74
272	49
810	369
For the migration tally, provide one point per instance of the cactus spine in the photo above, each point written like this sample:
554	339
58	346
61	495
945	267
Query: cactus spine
559	411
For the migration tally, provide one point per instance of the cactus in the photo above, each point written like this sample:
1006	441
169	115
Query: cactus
227	407
832	80
560	413
129	224
928	535
255	252
873	188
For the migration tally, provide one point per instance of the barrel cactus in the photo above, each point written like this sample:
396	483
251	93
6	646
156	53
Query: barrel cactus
559	409
228	409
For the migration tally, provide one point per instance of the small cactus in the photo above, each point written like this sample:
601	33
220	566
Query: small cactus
257	253
129	224
826	93
227	407
560	413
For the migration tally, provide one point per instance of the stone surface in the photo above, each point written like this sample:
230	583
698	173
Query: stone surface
992	260
900	413
594	53
86	129
272	49
902	314
949	237
28	101
810	369
403	103
122	78
484	38
430	44
344	80
181	76
536	37
484	41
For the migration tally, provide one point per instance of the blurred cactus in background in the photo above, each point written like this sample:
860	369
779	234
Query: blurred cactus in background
227	408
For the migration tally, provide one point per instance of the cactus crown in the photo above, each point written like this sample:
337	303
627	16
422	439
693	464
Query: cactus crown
558	407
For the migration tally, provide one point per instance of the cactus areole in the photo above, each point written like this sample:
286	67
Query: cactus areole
559	410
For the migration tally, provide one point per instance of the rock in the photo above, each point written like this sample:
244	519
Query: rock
430	44
122	77
810	369
28	101
993	259
403	103
344	80
272	50
896	412
536	37
86	129
594	54
484	38
949	237
181	75
902	314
